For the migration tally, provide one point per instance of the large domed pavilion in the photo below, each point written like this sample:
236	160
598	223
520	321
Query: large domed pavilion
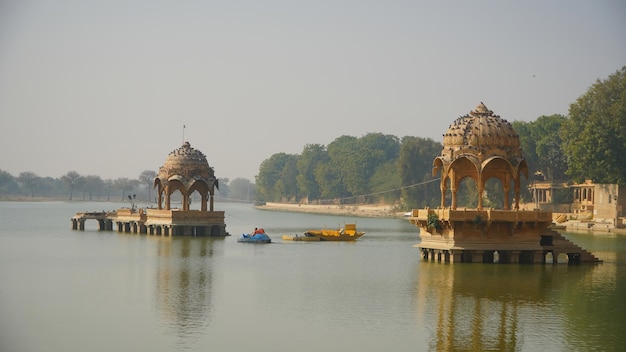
482	146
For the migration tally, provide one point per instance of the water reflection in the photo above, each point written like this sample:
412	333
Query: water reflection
475	307
184	284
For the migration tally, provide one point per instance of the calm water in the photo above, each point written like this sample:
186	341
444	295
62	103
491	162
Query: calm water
64	290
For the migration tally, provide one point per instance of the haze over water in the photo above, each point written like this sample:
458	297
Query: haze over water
64	290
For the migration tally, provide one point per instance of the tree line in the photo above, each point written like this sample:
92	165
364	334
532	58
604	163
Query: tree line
590	143
74	186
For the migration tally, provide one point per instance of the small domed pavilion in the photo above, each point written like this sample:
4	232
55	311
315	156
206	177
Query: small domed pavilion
483	146
186	170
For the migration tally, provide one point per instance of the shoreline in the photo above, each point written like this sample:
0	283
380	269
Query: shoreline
359	210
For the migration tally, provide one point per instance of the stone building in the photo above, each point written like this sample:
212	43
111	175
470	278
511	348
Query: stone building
185	171
601	203
483	146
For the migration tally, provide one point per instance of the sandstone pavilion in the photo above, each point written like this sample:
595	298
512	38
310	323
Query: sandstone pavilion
187	171
482	146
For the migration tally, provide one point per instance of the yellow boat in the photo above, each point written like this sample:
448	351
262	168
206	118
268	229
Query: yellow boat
304	237
349	233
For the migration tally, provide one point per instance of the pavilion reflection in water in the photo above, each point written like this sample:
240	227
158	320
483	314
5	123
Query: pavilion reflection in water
184	283
500	307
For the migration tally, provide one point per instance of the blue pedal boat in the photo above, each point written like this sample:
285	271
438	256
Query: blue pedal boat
256	238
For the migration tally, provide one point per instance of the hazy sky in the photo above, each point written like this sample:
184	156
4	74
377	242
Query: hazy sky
105	87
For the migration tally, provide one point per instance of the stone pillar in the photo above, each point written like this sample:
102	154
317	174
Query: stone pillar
477	256
74	224
205	199
431	255
488	257
481	190
456	256
517	189
555	257
506	189
514	257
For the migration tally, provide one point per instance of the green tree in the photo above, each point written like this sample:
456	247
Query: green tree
313	155
415	164
385	183
376	150
329	179
274	179
342	170
541	143
594	136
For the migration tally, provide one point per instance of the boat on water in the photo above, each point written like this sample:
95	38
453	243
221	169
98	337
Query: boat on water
305	237
349	233
256	238
259	236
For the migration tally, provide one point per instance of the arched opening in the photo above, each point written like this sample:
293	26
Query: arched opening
176	199
199	194
467	195
493	194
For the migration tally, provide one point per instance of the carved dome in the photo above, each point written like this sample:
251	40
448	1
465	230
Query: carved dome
187	165
483	134
480	145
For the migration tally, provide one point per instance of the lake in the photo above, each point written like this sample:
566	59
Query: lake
65	290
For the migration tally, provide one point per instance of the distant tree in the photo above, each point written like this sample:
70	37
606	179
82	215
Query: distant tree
242	189
224	187
93	184
125	185
50	187
29	180
594	136
8	184
146	178
70	180
108	187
